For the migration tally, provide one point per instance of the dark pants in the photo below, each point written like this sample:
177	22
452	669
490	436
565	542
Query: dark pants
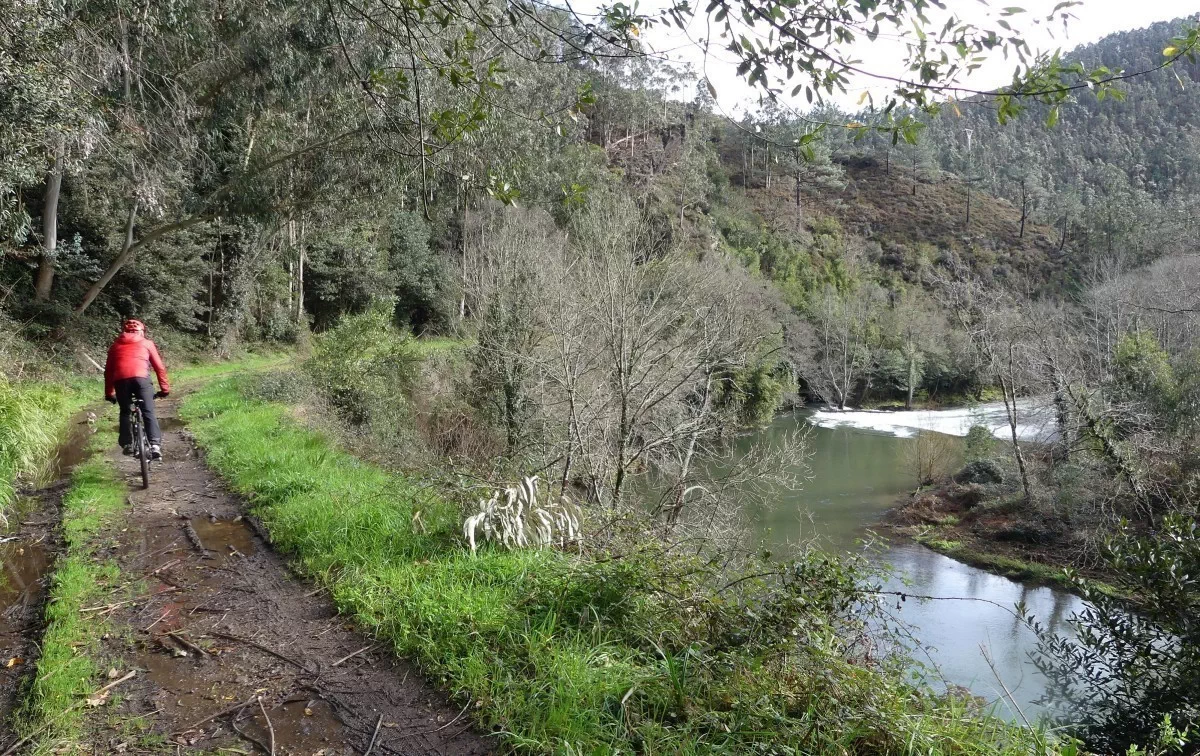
127	389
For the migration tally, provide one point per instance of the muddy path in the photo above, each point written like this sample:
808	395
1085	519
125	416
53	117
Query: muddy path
224	623
29	542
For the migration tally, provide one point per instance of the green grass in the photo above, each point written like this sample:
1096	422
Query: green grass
32	419
563	654
207	370
68	667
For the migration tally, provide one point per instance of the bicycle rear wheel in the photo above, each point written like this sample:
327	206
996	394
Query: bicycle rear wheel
141	444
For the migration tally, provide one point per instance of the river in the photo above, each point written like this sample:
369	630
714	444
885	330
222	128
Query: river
857	470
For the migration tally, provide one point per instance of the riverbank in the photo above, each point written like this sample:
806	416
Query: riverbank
990	528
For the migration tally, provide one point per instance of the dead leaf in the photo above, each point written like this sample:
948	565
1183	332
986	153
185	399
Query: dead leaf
14	662
308	712
113	674
98	700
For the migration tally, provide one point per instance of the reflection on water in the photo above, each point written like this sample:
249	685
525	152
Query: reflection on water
855	475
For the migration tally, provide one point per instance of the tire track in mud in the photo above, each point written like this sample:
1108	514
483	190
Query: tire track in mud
226	623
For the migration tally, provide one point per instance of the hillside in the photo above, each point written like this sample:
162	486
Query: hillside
928	226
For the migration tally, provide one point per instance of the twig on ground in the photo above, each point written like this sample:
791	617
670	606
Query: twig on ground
260	647
348	657
179	637
106	607
218	715
270	727
246	735
160	619
13	748
169	564
452	721
374	737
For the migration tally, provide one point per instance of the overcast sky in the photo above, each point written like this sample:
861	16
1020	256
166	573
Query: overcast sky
1093	19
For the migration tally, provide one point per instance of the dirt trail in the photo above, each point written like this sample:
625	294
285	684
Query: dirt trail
226	621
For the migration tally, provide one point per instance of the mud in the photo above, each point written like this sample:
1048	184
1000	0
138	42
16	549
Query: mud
225	623
28	546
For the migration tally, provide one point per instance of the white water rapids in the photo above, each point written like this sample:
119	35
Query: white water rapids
1035	420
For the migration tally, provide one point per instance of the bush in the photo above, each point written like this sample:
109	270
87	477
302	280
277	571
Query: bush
364	367
1123	672
981	444
980	471
289	386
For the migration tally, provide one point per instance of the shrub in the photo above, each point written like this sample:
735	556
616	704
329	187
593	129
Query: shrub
1123	672
981	444
364	367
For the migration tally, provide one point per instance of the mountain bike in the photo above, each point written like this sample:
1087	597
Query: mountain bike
141	444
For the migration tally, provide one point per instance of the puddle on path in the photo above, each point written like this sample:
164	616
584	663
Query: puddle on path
20	584
302	727
194	686
223	537
73	449
21	591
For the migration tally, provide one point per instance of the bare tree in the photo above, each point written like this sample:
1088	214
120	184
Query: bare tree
842	323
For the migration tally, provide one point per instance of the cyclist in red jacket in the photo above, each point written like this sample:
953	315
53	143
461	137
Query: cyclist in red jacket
127	374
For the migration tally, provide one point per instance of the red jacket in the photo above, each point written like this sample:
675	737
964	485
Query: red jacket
131	356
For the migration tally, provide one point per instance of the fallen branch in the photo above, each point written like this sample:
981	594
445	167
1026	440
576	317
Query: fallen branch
172	563
106	607
270	727
260	647
194	537
211	717
198	649
374	737
160	619
247	735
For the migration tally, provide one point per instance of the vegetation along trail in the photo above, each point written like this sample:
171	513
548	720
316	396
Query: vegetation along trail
227	648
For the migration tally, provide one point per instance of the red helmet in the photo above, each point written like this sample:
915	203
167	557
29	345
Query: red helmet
132	325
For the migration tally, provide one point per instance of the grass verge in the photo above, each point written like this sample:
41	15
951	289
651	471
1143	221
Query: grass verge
33	416
68	667
569	654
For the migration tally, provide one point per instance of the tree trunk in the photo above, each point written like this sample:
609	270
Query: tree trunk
686	466
912	376
1010	407
300	287
1024	209
127	251
46	261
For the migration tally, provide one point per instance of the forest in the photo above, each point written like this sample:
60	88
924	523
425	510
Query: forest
504	299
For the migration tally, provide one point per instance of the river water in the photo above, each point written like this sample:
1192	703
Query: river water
857	469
